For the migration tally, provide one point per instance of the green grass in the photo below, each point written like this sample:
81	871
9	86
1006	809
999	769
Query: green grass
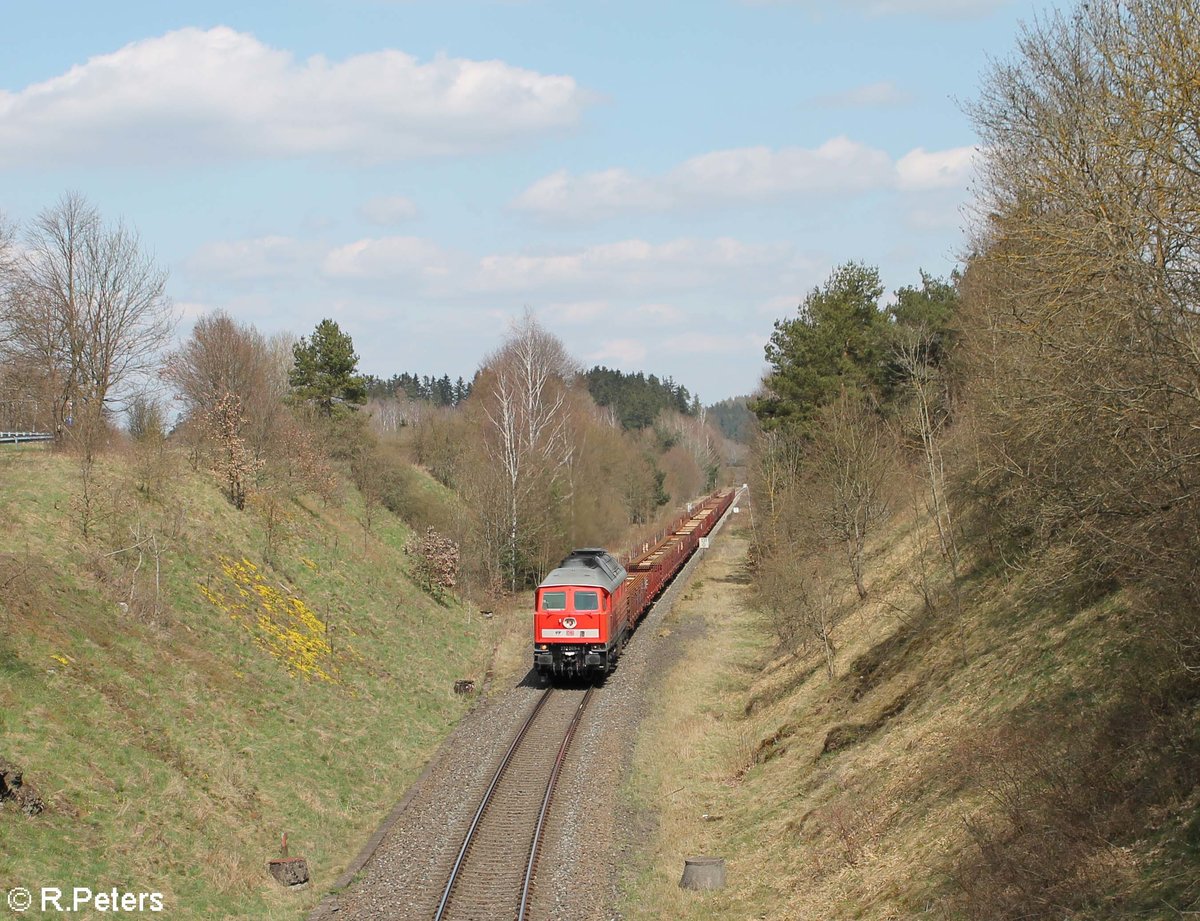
174	749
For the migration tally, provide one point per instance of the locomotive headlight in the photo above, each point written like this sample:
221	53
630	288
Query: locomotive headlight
569	623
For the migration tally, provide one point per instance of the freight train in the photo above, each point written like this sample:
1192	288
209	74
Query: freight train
586	608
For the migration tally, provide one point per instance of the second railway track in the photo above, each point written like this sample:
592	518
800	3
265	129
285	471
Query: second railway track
496	865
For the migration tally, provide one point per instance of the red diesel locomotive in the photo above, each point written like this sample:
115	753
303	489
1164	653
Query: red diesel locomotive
586	608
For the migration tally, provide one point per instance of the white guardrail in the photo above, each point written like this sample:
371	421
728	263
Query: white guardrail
17	438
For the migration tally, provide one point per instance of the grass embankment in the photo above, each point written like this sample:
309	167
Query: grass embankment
175	740
955	766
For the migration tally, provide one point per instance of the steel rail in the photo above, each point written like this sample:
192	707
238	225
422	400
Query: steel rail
535	848
486	801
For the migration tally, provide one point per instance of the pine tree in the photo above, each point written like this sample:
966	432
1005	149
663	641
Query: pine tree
324	372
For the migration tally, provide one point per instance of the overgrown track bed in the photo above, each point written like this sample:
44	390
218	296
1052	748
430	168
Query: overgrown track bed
496	864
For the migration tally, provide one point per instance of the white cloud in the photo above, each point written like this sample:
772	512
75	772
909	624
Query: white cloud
386	258
921	170
399	295
779	305
744	176
189	312
937	212
194	95
656	315
700	343
883	94
629	265
621	352
572	283
388	210
594	195
937	9
578	312
838	165
259	258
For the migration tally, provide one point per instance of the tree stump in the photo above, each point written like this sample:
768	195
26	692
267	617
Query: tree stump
13	786
703	873
289	871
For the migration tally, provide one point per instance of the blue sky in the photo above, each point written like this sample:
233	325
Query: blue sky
657	182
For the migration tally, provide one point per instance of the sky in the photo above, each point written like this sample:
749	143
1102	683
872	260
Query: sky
657	182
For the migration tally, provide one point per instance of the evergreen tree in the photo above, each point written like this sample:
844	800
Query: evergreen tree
928	317
324	371
637	399
733	418
837	341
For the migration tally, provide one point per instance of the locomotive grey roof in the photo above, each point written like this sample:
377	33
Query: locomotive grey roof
588	566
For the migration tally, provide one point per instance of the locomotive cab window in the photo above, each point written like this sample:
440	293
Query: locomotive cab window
587	601
554	601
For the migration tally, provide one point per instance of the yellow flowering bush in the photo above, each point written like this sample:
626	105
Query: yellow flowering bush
280	623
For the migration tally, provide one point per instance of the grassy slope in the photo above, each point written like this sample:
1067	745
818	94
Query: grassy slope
173	750
869	796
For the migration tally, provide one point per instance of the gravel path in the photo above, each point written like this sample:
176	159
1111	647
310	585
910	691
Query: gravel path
588	836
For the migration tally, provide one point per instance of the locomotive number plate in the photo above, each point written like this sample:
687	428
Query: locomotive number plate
573	634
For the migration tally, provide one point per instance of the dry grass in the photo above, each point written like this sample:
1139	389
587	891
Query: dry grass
510	631
939	773
699	723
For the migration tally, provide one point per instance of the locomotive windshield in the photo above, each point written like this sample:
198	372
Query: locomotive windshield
554	601
587	601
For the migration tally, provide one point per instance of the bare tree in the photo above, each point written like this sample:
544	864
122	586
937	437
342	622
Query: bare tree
233	462
34	364
778	458
8	254
800	604
525	405
850	466
924	422
1084	292
23	392
89	310
223	356
220	356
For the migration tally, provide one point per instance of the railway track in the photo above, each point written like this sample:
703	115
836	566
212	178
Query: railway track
497	862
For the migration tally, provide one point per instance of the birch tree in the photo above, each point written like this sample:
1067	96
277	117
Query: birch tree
525	405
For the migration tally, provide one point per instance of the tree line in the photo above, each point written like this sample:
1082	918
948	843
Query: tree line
638	399
534	464
438	391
